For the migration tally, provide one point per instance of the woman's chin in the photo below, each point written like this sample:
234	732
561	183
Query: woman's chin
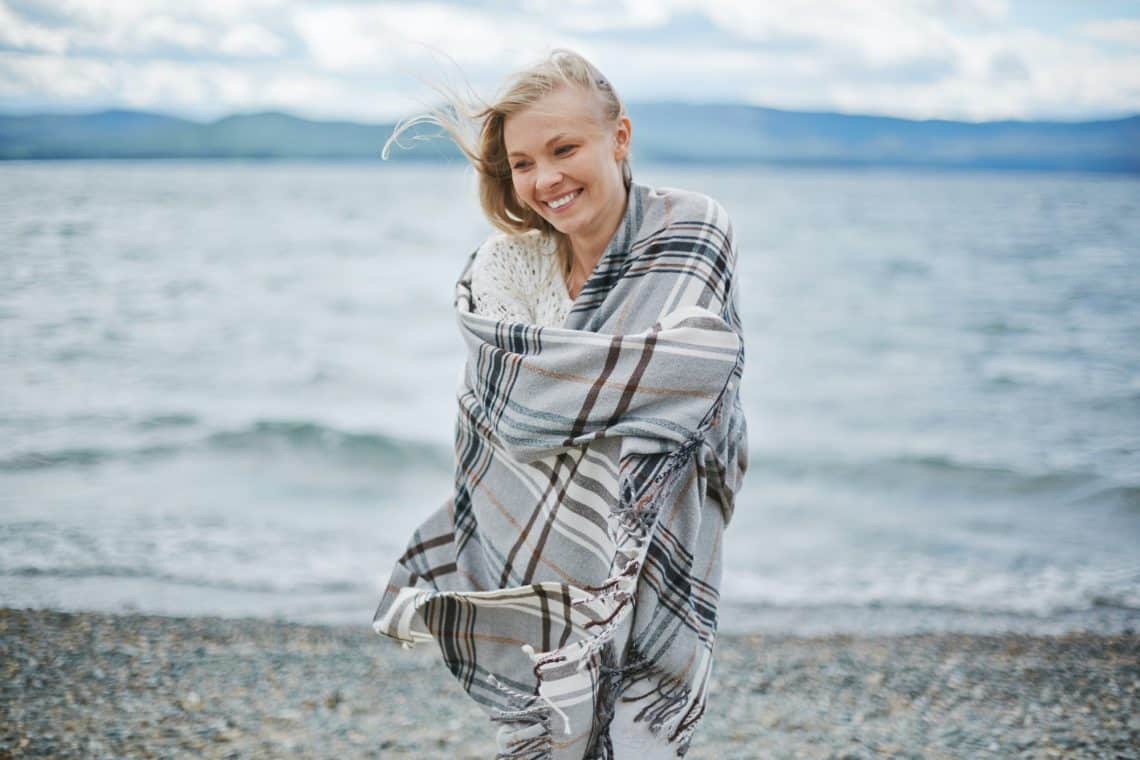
567	225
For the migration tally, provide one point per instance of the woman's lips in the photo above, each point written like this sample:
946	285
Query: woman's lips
560	209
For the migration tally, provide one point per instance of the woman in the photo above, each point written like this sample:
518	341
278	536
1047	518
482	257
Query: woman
571	579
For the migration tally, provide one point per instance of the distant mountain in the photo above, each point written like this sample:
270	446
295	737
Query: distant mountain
132	134
752	134
662	132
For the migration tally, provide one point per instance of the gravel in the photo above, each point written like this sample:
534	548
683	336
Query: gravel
107	686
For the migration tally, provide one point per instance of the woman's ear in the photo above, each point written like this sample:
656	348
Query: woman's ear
623	133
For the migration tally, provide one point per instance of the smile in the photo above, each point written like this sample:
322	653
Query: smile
564	201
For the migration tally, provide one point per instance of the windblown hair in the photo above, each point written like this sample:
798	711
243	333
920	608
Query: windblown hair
487	150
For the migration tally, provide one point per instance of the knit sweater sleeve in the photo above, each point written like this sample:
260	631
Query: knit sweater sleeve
513	280
498	284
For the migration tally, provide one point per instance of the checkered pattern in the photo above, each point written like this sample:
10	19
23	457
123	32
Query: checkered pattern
597	465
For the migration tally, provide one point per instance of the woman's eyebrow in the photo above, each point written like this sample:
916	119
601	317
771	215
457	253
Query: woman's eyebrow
556	138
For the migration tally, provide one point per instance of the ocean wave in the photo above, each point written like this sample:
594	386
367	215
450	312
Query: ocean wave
219	584
78	457
1125	497
894	620
259	436
896	470
160	421
1092	603
1046	592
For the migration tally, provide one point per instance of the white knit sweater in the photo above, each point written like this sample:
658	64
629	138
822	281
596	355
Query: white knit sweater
516	278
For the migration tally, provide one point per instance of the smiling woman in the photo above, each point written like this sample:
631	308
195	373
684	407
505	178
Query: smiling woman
567	161
569	166
571	581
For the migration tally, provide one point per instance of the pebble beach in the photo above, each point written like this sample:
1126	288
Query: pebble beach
87	685
223	421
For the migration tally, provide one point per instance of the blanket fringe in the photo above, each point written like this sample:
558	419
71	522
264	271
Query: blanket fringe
531	710
537	748
637	517
670	695
600	745
670	711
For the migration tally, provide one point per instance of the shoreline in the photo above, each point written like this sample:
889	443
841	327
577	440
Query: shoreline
97	685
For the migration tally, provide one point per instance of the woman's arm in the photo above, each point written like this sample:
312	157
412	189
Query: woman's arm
679	351
567	388
502	282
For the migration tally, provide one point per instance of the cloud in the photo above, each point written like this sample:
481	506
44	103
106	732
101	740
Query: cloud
252	41
972	11
973	59
379	37
130	28
1125	31
590	16
17	33
22	74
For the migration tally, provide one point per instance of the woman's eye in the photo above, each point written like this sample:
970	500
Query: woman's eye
563	150
518	165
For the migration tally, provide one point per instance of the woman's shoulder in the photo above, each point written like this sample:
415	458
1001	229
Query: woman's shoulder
689	204
515	278
696	212
522	245
694	226
513	262
522	255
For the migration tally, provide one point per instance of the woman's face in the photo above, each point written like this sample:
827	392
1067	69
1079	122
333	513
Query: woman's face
566	162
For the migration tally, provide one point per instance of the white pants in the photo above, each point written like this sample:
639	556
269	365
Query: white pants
631	740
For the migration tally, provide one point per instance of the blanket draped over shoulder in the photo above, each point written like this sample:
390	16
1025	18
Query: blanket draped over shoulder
597	464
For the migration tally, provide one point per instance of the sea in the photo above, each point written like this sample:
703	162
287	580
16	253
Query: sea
228	388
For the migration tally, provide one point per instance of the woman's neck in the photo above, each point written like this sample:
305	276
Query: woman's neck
586	250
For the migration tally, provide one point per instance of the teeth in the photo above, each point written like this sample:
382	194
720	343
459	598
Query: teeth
560	202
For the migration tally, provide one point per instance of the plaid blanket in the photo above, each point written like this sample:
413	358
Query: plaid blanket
597	465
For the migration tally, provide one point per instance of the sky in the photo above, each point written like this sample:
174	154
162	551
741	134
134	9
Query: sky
973	60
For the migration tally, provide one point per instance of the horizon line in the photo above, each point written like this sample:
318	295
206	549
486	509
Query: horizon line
19	113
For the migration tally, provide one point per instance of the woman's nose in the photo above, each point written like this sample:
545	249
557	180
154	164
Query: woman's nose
548	177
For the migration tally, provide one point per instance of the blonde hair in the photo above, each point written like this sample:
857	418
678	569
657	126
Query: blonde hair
487	150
